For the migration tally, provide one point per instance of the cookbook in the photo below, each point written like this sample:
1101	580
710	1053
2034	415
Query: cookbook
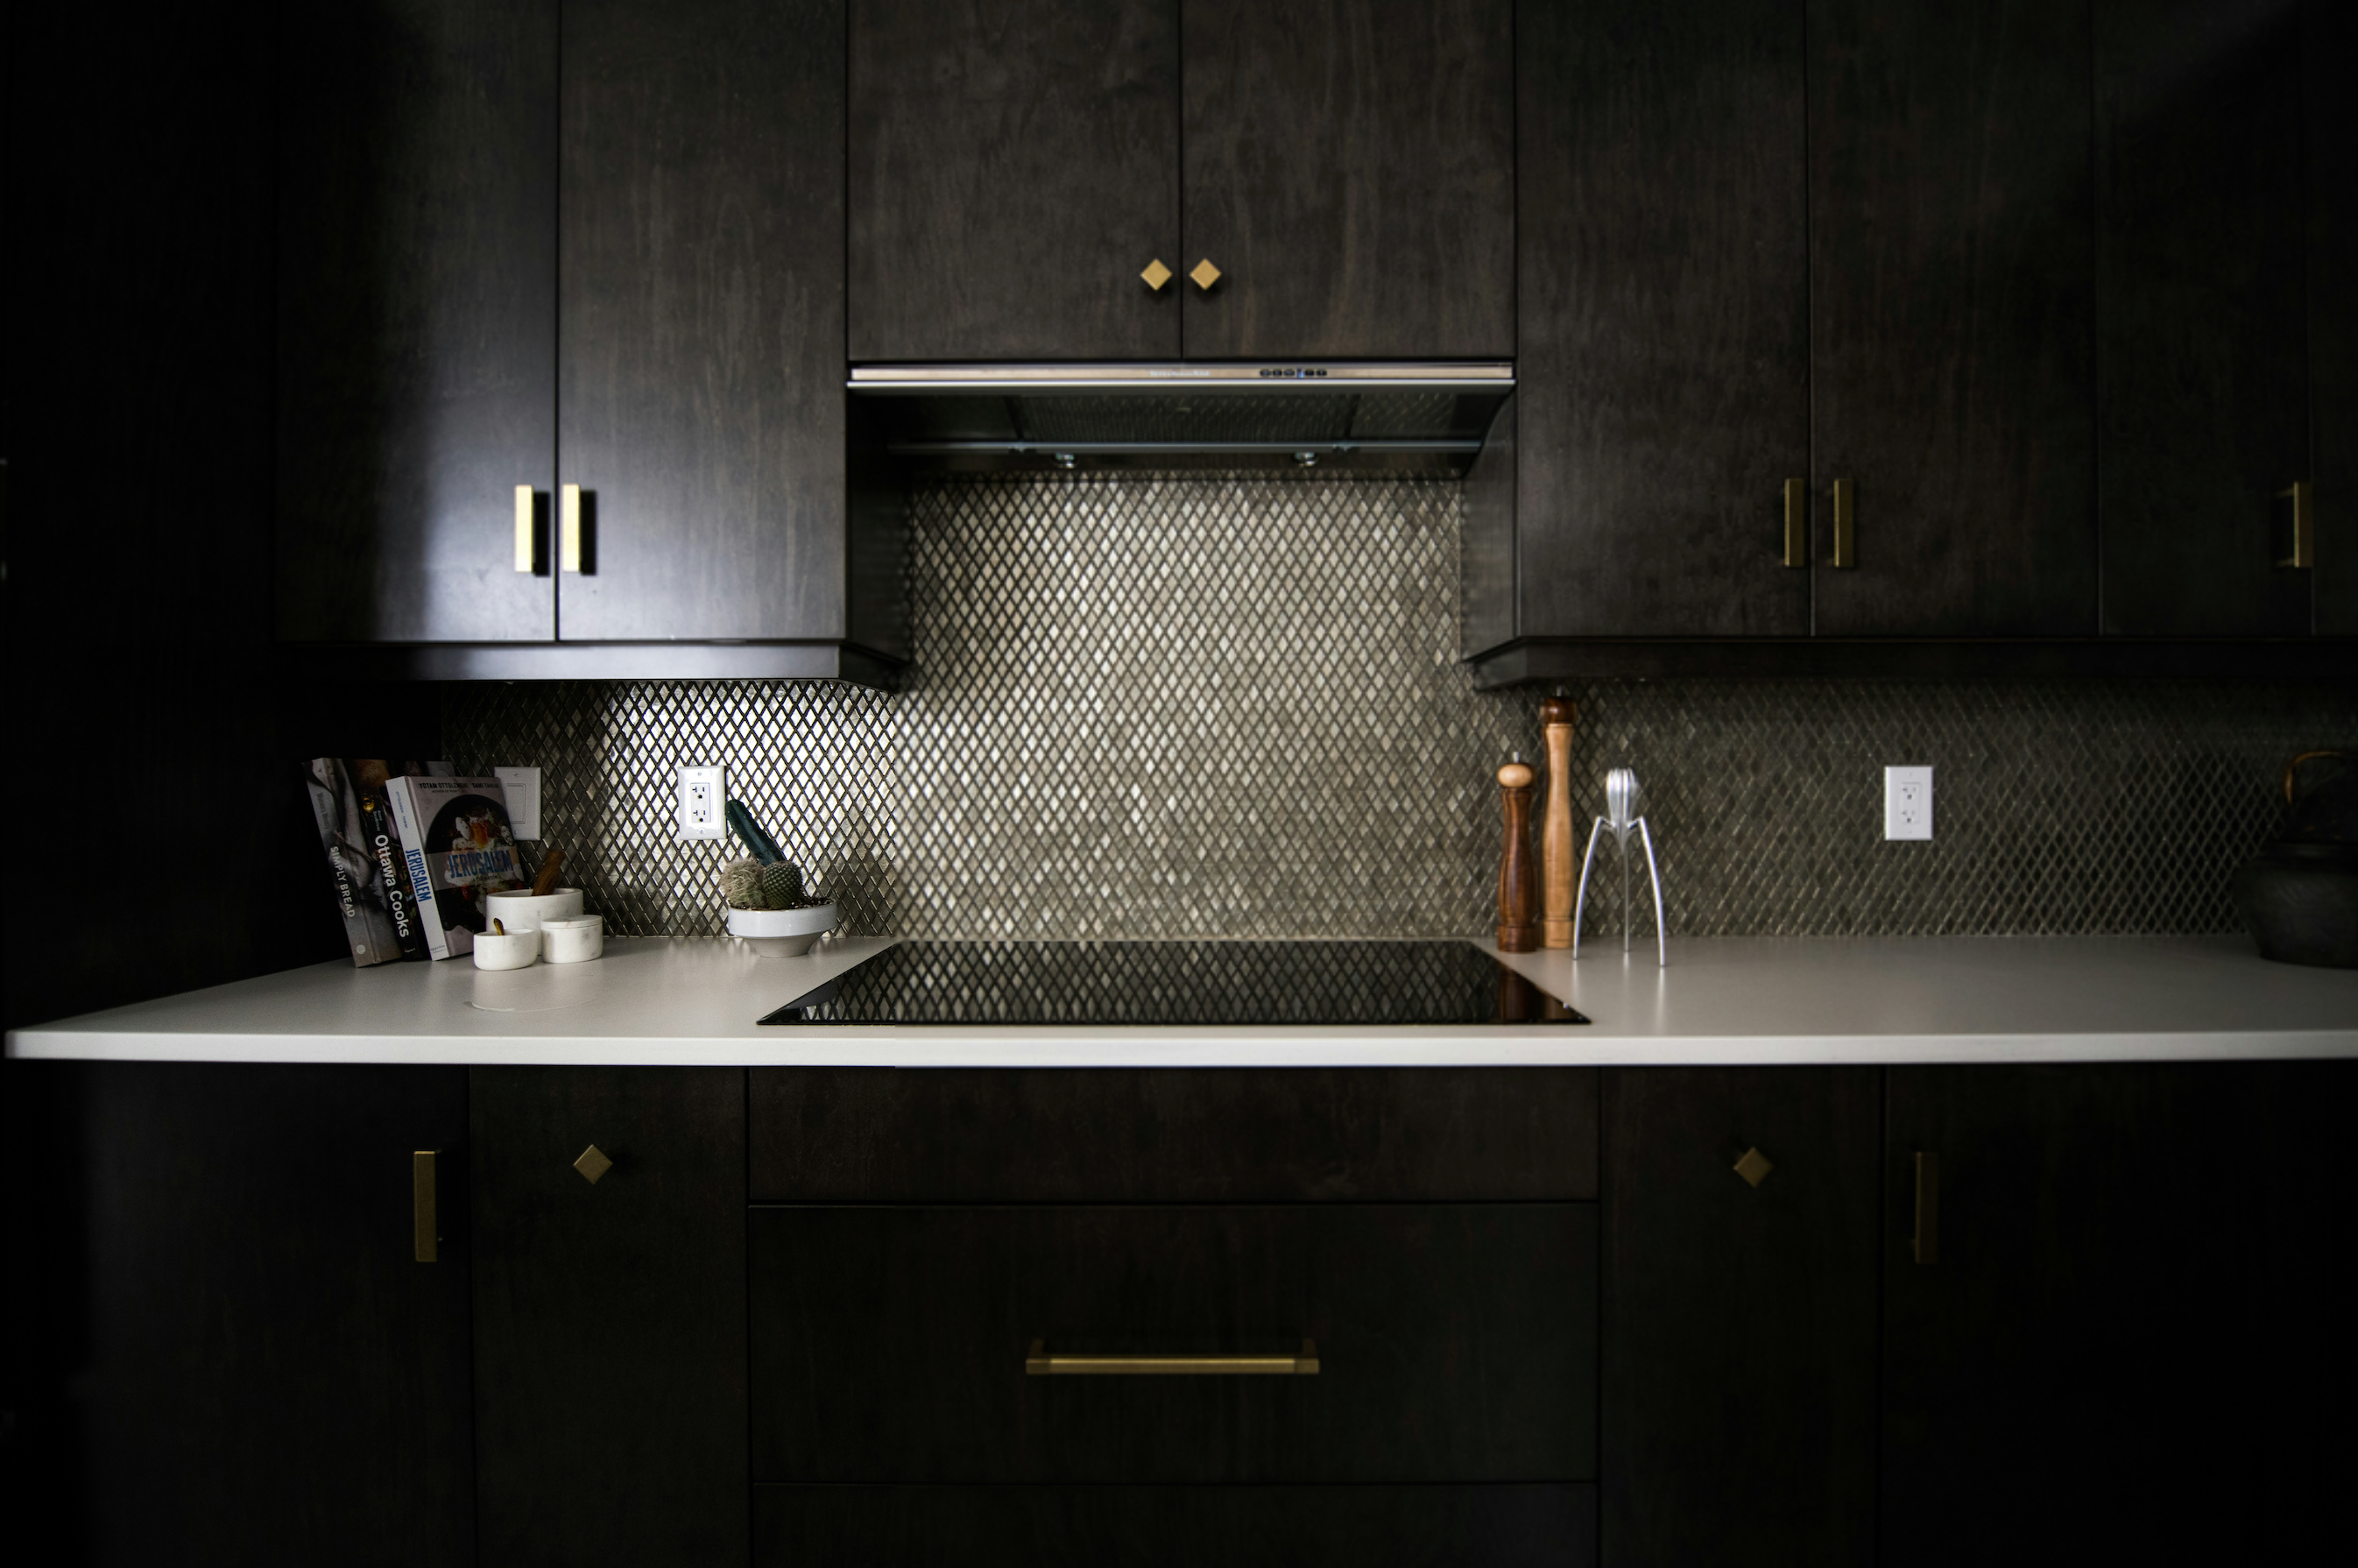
364	851
458	849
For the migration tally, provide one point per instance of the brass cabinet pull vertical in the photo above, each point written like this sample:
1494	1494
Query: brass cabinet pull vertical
426	1231
1927	1239
1797	523
570	549
2304	526
524	528
1845	555
1041	1364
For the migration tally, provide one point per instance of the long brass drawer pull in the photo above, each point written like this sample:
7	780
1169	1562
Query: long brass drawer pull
1846	545
1040	1364
1797	523
1927	1241
426	1228
2304	526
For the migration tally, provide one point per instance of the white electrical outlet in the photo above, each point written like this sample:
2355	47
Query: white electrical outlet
1907	802
703	802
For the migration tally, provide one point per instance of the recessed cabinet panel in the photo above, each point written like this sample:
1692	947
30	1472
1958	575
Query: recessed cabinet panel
702	311
1662	238
2203	401
1015	169
1350	177
2330	160
1953	371
417	320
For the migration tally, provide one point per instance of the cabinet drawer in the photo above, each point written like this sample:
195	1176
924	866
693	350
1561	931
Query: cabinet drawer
1176	1527
1174	1135
1454	1343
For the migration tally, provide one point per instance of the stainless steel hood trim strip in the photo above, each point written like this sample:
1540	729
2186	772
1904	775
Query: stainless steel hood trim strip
1496	377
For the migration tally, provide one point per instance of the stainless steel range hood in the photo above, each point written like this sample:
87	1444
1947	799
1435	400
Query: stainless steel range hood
1356	416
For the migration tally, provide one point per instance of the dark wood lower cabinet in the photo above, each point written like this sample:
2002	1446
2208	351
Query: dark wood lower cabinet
609	1318
1739	1319
1176	1527
2131	1345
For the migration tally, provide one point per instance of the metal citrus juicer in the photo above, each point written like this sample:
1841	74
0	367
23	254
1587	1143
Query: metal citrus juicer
1622	799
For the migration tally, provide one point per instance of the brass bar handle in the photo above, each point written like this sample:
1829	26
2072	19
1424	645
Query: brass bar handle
523	529
1927	1239
425	1227
569	550
1205	274
1156	275
2304	526
1040	1364
1797	523
1846	547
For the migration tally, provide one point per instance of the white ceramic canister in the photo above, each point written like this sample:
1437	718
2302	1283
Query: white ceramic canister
518	911
516	951
572	939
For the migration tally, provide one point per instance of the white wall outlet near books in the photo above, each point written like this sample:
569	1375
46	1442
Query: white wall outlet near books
703	802
522	787
1907	803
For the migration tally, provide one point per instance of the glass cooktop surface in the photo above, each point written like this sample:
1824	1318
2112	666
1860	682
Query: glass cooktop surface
1178	983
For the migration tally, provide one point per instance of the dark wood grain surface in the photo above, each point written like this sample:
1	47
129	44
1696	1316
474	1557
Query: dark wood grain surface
1952	366
609	1318
1739	1320
2129	1346
1350	170
2329	164
1208	1135
1014	167
2202	347
1456	1342
416	318
702	311
267	1374
1176	1527
1663	364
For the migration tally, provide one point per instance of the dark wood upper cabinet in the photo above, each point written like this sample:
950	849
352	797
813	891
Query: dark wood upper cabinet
1739	1368
701	317
2329	110
2202	398
1663	244
1350	172
1015	169
1953	365
609	1318
417	319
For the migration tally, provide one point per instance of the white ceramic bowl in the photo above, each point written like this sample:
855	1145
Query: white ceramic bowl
518	911
516	951
782	933
572	939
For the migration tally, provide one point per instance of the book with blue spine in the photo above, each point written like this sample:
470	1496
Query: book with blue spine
460	848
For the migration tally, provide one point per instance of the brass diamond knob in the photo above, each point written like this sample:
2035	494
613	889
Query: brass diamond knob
593	1164
1156	275
1754	1167
1205	274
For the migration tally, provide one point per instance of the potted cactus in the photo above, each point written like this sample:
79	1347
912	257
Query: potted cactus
768	910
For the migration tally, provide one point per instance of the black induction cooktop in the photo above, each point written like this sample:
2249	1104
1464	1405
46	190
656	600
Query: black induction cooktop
1178	983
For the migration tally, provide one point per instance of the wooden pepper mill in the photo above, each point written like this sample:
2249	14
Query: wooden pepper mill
1559	843
1519	929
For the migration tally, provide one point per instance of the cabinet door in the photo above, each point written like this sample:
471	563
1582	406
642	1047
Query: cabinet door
1350	172
702	310
2128	1345
609	1362
1950	267
2329	164
2203	395
1015	169
417	320
1663	373
1739	1364
265	1373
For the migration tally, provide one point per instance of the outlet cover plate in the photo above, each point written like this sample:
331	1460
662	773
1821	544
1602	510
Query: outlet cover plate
703	802
1907	803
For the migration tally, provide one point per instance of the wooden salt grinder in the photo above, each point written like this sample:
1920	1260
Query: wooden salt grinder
1559	844
1518	930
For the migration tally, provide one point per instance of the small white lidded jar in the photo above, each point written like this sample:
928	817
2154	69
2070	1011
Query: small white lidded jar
511	950
518	910
573	939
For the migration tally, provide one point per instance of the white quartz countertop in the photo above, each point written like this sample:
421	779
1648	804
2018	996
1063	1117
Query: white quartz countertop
1730	1001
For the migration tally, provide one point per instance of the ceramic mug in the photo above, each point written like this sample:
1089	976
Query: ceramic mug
575	939
516	909
516	951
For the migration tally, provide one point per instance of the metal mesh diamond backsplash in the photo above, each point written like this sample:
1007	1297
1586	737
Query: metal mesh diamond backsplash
1192	706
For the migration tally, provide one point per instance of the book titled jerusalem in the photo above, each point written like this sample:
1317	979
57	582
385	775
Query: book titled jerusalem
458	848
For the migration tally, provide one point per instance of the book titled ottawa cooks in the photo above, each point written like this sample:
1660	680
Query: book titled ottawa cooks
458	845
348	803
